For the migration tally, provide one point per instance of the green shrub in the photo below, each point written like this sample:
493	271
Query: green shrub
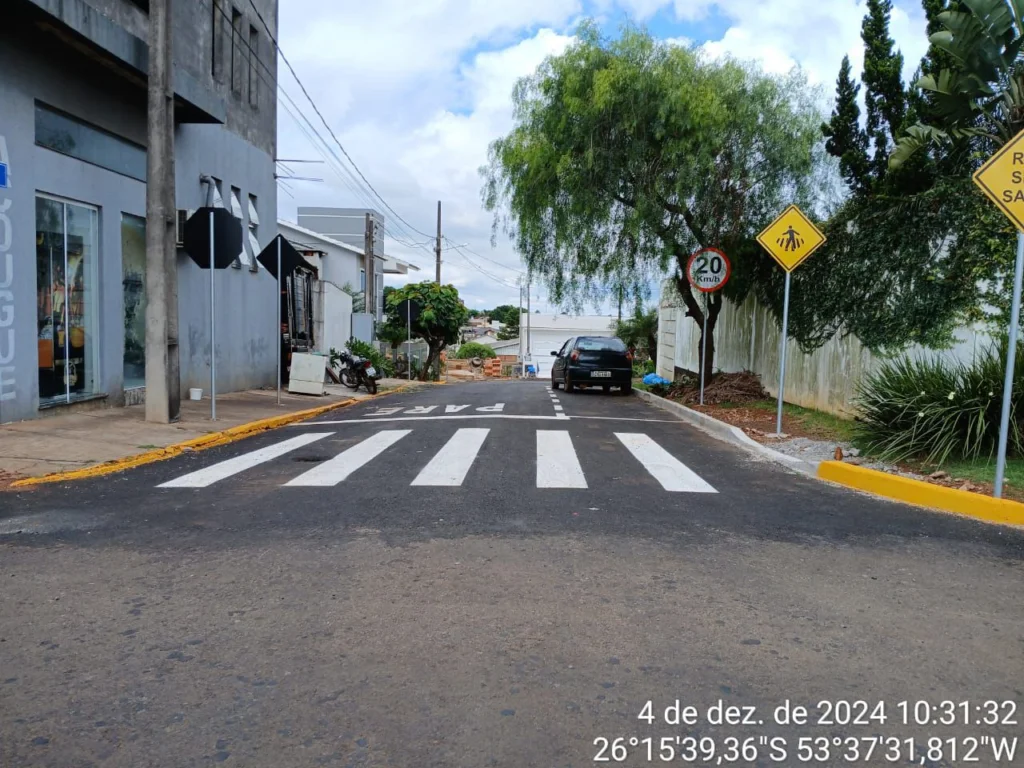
474	349
385	367
939	409
642	367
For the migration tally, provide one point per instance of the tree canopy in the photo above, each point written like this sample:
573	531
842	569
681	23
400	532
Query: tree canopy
627	154
442	314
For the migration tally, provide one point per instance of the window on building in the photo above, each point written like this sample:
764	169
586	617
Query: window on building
254	240
217	41
75	138
236	211
236	50
254	62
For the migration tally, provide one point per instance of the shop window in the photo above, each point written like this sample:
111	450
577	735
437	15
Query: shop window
133	283
75	138
254	239
67	251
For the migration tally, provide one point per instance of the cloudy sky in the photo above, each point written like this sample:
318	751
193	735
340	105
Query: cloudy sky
415	90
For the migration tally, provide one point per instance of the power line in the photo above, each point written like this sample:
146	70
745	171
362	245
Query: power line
326	124
460	248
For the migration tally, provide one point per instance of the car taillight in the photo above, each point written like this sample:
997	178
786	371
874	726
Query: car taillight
629	356
575	355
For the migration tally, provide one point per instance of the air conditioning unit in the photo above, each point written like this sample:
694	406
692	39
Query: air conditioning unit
180	218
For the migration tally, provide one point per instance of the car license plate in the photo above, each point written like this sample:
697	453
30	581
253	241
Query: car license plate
600	374
371	371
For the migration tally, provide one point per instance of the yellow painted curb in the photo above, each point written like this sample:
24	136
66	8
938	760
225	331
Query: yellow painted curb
210	440
923	494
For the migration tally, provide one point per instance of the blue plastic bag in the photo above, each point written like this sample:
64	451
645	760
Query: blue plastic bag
653	379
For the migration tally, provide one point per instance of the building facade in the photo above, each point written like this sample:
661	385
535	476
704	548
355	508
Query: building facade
73	196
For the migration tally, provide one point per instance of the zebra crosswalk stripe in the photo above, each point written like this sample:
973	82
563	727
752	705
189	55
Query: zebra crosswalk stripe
335	470
662	465
202	478
451	464
557	463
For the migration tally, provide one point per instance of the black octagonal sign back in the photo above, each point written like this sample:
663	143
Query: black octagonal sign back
227	237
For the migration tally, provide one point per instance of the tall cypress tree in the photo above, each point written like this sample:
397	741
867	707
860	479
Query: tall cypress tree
846	140
884	97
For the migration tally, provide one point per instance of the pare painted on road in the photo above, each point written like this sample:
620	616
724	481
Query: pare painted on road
425	410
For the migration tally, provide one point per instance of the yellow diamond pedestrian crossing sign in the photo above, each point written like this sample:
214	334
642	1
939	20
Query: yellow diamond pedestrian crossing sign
1002	179
791	238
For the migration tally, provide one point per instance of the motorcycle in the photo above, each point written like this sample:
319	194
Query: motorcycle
356	372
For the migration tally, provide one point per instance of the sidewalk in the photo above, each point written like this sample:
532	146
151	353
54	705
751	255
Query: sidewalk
72	441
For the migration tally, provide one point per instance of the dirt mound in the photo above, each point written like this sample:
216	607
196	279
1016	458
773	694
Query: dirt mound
733	388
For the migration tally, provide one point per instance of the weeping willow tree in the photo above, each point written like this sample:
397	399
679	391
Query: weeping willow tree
628	154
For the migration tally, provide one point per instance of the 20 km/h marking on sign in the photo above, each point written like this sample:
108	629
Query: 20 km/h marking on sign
1002	179
791	238
708	270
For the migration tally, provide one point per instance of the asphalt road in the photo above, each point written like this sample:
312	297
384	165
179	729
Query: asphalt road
488	575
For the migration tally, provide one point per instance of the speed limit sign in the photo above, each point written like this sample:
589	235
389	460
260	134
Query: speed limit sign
708	270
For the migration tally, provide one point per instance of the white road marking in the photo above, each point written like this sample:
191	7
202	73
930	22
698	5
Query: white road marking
335	470
202	478
420	409
559	417
663	466
557	463
558	408
386	411
455	408
497	408
451	464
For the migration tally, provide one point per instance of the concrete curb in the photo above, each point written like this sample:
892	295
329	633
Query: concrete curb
211	440
922	494
728	433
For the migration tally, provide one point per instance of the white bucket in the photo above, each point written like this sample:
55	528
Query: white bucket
195	394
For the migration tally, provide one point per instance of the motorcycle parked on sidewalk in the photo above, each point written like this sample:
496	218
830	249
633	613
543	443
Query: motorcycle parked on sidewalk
357	371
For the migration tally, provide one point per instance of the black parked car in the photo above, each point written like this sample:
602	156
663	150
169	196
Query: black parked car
593	361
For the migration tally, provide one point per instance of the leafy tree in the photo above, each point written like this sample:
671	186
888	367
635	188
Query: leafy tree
847	141
628	154
978	101
474	349
509	331
442	314
505	313
884	98
640	331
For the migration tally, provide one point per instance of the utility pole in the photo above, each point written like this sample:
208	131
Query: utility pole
370	294
522	339
437	248
529	353
163	380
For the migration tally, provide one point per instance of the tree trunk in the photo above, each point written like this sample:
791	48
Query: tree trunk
433	352
695	309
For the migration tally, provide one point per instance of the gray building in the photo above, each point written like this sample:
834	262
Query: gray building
73	195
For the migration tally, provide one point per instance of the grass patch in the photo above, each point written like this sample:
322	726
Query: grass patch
983	470
639	384
818	421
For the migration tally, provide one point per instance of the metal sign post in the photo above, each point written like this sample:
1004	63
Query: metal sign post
703	349
277	316
213	330
1000	178
708	270
790	239
782	355
1011	359
408	349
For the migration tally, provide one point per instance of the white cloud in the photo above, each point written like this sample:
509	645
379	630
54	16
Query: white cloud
416	91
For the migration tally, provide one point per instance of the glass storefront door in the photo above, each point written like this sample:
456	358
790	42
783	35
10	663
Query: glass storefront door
67	250
133	281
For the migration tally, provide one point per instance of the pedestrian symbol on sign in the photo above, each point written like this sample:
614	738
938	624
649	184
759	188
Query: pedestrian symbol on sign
790	240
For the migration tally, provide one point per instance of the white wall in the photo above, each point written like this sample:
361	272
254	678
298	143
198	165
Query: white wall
332	317
747	339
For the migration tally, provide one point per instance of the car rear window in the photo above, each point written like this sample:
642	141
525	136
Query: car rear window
598	344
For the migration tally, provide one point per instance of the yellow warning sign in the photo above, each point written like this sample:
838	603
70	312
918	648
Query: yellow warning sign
791	238
1002	179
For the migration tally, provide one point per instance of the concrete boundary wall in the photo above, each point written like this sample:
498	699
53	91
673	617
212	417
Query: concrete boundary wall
747	338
